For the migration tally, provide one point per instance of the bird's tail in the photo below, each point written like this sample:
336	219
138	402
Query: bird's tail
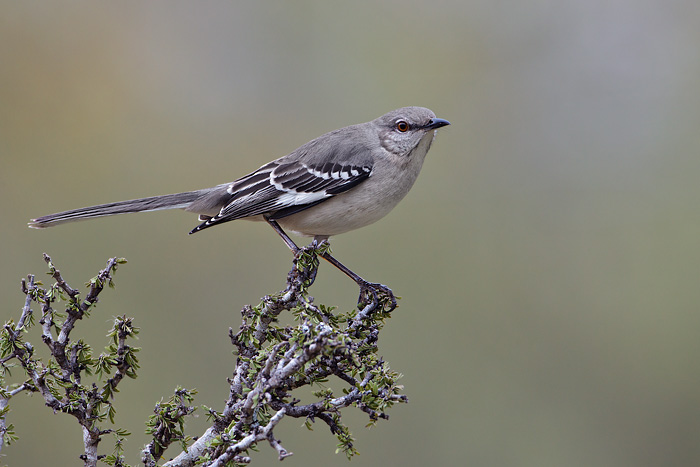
154	203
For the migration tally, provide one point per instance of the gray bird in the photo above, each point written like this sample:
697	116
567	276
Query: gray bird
341	181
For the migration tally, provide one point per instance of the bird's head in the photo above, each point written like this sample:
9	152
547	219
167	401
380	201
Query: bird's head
402	130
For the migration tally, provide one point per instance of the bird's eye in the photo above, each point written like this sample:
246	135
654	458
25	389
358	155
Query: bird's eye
402	126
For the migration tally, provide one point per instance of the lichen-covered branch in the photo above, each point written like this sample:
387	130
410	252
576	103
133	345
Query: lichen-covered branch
323	349
332	352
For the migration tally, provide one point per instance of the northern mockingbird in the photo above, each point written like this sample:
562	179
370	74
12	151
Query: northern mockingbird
341	181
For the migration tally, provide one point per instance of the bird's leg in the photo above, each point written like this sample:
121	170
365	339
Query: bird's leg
290	243
307	272
367	289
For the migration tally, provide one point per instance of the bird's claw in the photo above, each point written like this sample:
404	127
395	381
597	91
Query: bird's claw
374	294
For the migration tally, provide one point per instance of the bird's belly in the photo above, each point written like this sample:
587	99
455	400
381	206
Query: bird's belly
338	215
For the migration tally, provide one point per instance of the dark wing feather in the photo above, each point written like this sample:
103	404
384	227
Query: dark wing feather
282	188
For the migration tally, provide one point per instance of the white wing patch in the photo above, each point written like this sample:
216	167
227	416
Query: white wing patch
295	199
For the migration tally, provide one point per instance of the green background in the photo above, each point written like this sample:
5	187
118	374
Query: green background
547	257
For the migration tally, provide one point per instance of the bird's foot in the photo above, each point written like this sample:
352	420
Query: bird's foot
376	295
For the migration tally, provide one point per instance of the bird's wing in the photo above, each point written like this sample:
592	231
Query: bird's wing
282	188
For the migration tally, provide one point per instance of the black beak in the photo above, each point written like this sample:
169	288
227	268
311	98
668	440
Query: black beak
436	123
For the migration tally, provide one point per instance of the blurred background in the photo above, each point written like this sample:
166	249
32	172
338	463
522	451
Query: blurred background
547	257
